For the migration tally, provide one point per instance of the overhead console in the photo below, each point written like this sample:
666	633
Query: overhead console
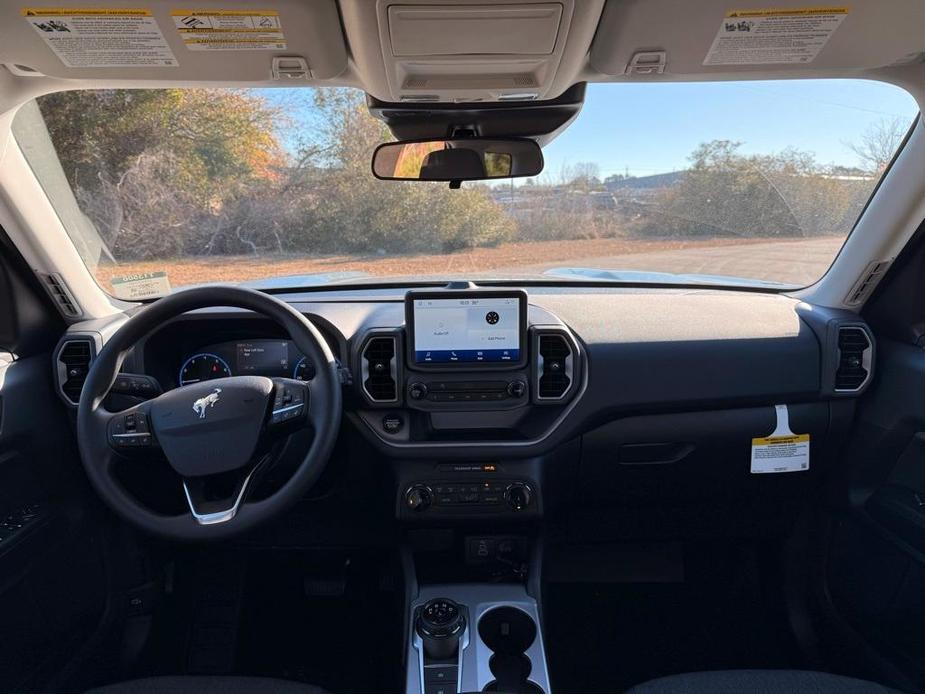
468	366
461	52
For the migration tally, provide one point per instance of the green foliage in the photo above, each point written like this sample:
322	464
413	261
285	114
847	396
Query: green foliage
726	193
213	172
203	172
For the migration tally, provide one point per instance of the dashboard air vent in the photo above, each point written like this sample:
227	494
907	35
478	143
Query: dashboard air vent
380	370
74	360
61	295
853	359
554	367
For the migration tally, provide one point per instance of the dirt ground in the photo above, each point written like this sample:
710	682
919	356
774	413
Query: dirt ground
512	257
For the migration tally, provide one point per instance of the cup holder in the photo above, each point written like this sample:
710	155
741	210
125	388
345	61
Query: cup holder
509	632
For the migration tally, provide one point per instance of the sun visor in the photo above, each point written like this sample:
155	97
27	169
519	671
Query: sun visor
723	37
209	41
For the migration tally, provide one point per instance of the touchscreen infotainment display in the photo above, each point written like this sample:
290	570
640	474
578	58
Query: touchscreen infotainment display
471	329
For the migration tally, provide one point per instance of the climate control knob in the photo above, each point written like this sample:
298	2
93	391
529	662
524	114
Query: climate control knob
417	391
418	498
516	389
518	496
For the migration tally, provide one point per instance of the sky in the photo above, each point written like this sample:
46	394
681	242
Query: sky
649	128
652	128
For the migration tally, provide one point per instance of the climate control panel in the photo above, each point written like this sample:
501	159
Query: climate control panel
467	392
468	496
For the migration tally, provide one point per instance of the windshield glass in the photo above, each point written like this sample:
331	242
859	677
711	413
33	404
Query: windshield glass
724	183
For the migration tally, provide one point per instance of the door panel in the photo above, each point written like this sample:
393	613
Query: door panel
52	582
875	562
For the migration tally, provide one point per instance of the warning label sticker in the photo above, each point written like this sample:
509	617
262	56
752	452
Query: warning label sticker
101	37
144	285
774	36
230	30
782	451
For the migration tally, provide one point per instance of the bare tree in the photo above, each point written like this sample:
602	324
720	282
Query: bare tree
877	145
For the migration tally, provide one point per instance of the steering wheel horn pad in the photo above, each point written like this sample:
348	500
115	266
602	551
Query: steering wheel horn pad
212	427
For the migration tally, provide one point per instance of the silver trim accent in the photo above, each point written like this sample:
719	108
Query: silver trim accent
218	516
288	408
96	344
866	356
130	436
569	362
393	366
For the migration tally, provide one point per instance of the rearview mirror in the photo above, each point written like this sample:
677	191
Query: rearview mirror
471	159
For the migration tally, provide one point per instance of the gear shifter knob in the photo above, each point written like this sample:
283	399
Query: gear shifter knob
440	623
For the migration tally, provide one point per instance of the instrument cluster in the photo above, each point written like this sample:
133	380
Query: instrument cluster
259	357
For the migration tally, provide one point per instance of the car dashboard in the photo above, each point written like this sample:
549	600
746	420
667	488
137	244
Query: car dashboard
620	402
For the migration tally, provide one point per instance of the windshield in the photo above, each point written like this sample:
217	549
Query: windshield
735	183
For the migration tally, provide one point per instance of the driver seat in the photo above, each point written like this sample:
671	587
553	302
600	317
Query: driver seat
195	684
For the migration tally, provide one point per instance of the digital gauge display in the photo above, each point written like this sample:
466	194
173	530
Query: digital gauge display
203	367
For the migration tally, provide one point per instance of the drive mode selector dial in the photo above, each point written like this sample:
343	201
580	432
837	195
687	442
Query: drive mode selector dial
440	624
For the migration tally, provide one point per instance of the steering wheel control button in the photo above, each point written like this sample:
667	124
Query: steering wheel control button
288	401
136	385
130	430
392	423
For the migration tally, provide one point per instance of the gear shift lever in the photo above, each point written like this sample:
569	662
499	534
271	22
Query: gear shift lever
440	623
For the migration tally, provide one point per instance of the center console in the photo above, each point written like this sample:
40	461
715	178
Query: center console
488	640
457	396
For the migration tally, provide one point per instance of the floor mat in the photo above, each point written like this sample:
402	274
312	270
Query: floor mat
725	614
326	622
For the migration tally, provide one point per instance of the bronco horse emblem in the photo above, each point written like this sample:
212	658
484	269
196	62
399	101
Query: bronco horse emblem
199	407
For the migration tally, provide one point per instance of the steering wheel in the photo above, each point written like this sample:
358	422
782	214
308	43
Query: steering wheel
216	435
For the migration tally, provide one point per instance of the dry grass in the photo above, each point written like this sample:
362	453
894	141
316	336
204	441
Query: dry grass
187	271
